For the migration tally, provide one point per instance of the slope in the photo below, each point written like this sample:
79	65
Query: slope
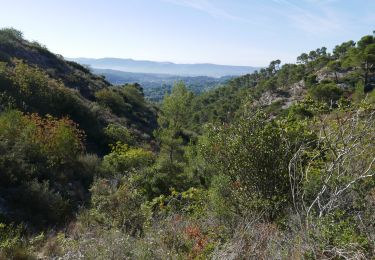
35	80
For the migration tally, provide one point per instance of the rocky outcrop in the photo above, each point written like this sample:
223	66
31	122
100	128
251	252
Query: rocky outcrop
285	97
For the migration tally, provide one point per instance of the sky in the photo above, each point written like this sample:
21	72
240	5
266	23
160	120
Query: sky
232	32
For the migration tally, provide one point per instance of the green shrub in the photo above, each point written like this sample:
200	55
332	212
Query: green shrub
41	205
192	202
337	233
40	165
254	155
114	101
124	159
12	245
116	204
328	93
10	35
118	133
310	80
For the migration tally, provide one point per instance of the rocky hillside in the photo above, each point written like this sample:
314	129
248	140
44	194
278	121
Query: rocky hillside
346	74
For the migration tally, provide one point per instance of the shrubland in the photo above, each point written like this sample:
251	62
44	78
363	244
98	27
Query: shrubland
277	164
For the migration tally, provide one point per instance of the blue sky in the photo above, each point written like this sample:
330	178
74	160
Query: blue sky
237	32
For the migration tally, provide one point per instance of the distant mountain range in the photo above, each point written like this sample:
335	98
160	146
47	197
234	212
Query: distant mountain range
138	66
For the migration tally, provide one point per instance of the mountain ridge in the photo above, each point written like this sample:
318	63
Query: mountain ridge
166	67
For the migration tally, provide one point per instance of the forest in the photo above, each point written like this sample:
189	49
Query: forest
275	164
155	86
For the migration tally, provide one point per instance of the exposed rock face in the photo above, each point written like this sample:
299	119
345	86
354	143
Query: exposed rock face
324	74
297	91
285	97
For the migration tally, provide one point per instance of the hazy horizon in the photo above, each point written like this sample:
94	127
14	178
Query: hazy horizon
161	61
238	33
167	68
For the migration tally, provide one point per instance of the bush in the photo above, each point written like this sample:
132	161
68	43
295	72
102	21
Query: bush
337	235
254	154
310	80
329	93
12	245
40	166
116	204
192	203
118	133
124	159
41	205
114	101
10	35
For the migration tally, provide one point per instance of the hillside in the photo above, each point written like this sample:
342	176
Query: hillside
136	66
48	84
275	164
74	76
155	86
57	120
324	77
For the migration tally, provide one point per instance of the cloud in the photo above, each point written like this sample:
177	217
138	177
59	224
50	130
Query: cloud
314	17
324	20
208	8
321	2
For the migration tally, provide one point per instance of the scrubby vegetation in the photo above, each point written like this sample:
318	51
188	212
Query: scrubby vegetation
277	164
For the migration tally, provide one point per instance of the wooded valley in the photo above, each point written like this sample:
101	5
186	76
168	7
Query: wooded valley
275	164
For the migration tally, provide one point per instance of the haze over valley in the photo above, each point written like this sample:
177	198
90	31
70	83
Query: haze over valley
143	66
157	78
